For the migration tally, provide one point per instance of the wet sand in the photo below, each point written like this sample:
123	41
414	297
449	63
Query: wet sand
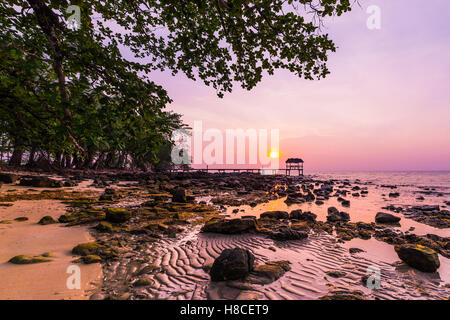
43	280
175	265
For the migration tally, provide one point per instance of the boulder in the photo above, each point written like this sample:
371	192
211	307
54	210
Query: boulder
335	216
417	256
8	178
269	272
232	226
394	195
286	233
345	203
102	250
275	215
40	182
303	216
117	215
82	217
23	259
47	220
383	217
232	264
179	195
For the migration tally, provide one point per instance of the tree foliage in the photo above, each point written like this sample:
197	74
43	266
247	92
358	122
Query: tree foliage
85	98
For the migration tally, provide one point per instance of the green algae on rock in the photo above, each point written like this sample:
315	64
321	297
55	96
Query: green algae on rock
418	256
117	215
47	220
90	258
82	217
24	259
21	219
105	226
105	251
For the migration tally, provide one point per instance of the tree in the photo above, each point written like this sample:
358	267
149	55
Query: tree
71	94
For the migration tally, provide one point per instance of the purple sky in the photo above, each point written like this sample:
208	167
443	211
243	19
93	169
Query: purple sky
385	105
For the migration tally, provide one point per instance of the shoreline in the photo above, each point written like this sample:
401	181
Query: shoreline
158	252
45	280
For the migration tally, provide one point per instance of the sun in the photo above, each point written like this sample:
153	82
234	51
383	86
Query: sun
274	154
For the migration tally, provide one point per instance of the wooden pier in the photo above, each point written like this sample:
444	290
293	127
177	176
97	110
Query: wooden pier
294	165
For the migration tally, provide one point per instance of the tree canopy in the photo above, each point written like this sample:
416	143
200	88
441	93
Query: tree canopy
84	97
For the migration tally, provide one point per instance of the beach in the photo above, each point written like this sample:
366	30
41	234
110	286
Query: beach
46	281
165	242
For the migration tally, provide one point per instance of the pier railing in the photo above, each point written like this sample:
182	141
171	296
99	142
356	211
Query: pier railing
266	171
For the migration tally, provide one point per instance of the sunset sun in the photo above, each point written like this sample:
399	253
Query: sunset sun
274	154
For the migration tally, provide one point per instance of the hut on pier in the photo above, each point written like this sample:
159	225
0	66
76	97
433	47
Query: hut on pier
295	164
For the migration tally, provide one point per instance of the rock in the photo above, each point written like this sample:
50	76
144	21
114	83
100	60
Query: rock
8	178
90	258
23	259
97	296
383	217
96	248
232	226
40	182
296	214
117	215
107	197
426	208
179	195
82	217
47	220
21	219
355	250
144	281
335	216
336	273
270	271
286	233
275	215
417	256
345	203
345	295
394	195
106	227
232	264
294	198
302	216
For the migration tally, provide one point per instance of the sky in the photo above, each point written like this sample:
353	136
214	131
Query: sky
385	105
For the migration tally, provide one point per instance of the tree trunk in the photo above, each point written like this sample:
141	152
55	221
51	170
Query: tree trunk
16	158
31	162
49	23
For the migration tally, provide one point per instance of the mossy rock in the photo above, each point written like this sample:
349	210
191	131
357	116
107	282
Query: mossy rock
90	258
5	204
88	248
23	259
47	220
418	256
105	226
353	295
82	217
21	219
272	270
117	215
303	226
96	248
48	254
144	281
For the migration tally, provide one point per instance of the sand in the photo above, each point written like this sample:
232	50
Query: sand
44	280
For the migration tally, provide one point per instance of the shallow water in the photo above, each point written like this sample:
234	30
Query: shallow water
364	208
